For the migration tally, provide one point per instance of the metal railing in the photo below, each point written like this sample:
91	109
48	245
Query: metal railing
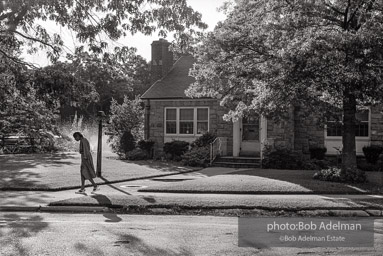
218	148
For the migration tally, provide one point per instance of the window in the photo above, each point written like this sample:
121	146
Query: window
334	128
171	121
202	120
186	121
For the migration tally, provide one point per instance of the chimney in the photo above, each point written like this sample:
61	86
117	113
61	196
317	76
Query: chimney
162	59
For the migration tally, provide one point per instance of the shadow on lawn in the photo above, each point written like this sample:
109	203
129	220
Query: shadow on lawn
22	170
163	166
302	178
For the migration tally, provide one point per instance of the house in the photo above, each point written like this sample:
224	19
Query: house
171	115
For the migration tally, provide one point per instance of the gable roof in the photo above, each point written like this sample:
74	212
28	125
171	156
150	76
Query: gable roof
174	84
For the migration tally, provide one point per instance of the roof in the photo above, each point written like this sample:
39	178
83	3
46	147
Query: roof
174	84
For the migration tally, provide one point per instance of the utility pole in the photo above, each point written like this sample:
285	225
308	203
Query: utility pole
100	116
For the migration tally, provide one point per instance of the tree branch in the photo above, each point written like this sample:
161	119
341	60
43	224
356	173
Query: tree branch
16	60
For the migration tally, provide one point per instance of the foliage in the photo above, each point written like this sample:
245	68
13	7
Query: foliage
269	55
176	149
92	21
282	158
372	153
330	174
354	175
204	140
335	174
368	167
315	164
113	75
197	156
22	111
137	154
128	116
317	153
146	145
127	143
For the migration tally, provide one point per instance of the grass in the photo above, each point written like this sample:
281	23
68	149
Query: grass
62	170
261	181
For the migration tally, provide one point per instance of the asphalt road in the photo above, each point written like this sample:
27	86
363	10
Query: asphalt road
111	234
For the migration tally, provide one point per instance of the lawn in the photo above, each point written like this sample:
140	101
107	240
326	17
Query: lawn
62	170
262	181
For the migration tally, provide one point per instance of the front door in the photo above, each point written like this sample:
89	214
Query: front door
250	145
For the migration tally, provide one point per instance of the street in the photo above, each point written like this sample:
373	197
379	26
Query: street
111	234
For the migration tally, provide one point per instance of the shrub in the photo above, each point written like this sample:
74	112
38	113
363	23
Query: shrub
314	164
204	140
372	153
317	153
198	156
367	167
330	174
146	145
137	154
127	142
176	149
282	158
354	175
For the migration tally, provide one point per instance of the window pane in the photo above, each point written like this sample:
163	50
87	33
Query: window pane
362	115
202	114
171	114
334	129
186	127
187	114
171	127
202	127
362	129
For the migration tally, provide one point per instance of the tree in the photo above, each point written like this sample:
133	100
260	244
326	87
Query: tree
270	54
113	75
89	20
125	117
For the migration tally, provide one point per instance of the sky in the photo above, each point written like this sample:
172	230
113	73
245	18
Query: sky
208	9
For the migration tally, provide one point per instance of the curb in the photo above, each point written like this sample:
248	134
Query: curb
179	209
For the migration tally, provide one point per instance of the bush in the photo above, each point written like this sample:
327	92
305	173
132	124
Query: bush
127	142
176	149
372	153
317	153
367	167
330	174
314	164
137	154
204	140
282	159
352	175
147	146
198	156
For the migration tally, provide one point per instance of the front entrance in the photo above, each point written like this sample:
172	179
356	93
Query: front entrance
250	143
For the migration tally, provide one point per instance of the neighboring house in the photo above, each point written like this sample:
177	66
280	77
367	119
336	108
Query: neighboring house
171	115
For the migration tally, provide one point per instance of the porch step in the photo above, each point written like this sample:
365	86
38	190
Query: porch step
238	162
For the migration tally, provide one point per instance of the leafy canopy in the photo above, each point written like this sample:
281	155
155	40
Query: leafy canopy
270	54
90	19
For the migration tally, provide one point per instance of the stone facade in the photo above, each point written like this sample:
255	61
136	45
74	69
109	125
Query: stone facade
376	129
156	117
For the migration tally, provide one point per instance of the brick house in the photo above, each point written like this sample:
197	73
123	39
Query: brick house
171	115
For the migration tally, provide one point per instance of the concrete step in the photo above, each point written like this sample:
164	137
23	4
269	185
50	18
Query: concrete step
254	160
236	165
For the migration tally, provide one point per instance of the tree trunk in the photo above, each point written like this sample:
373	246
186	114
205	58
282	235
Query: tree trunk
348	135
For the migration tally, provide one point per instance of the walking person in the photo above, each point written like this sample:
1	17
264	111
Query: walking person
87	168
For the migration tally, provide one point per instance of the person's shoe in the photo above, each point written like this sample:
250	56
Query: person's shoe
81	191
97	188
